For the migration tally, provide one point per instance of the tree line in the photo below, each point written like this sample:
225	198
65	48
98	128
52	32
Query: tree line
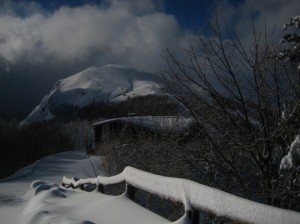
22	146
139	105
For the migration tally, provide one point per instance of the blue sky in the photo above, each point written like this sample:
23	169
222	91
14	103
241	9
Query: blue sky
42	41
191	14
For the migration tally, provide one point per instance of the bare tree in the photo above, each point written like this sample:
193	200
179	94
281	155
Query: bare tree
238	95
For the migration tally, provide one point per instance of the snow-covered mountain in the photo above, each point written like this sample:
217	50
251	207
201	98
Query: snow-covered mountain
110	83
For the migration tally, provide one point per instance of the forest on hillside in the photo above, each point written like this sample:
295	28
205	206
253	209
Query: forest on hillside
23	145
153	105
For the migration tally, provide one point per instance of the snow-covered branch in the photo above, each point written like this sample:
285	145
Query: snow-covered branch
292	159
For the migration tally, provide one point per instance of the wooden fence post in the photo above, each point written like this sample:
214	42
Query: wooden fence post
193	216
130	191
101	188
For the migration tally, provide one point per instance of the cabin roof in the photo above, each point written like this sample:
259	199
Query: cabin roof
159	123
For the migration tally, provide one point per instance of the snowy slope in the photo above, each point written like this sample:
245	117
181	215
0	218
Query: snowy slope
52	169
109	83
34	196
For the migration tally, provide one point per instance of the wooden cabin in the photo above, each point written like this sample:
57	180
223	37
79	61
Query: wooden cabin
129	128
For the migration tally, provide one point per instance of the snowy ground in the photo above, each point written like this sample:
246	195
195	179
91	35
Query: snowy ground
34	196
25	200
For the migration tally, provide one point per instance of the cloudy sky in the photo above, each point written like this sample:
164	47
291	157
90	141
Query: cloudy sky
45	40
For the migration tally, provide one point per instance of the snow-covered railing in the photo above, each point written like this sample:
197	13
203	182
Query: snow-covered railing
195	197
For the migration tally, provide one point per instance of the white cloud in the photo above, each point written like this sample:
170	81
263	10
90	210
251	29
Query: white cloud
19	37
125	32
129	32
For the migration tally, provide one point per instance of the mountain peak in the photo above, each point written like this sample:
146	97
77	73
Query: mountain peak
110	83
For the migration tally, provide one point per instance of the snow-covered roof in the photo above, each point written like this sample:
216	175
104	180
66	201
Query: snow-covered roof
157	123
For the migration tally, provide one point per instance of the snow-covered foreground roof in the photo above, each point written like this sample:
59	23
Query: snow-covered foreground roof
194	195
26	201
157	123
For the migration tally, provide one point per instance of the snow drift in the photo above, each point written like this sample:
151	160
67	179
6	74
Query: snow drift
45	201
50	203
34	196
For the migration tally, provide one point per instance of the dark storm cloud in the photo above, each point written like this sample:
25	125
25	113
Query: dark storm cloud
268	14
